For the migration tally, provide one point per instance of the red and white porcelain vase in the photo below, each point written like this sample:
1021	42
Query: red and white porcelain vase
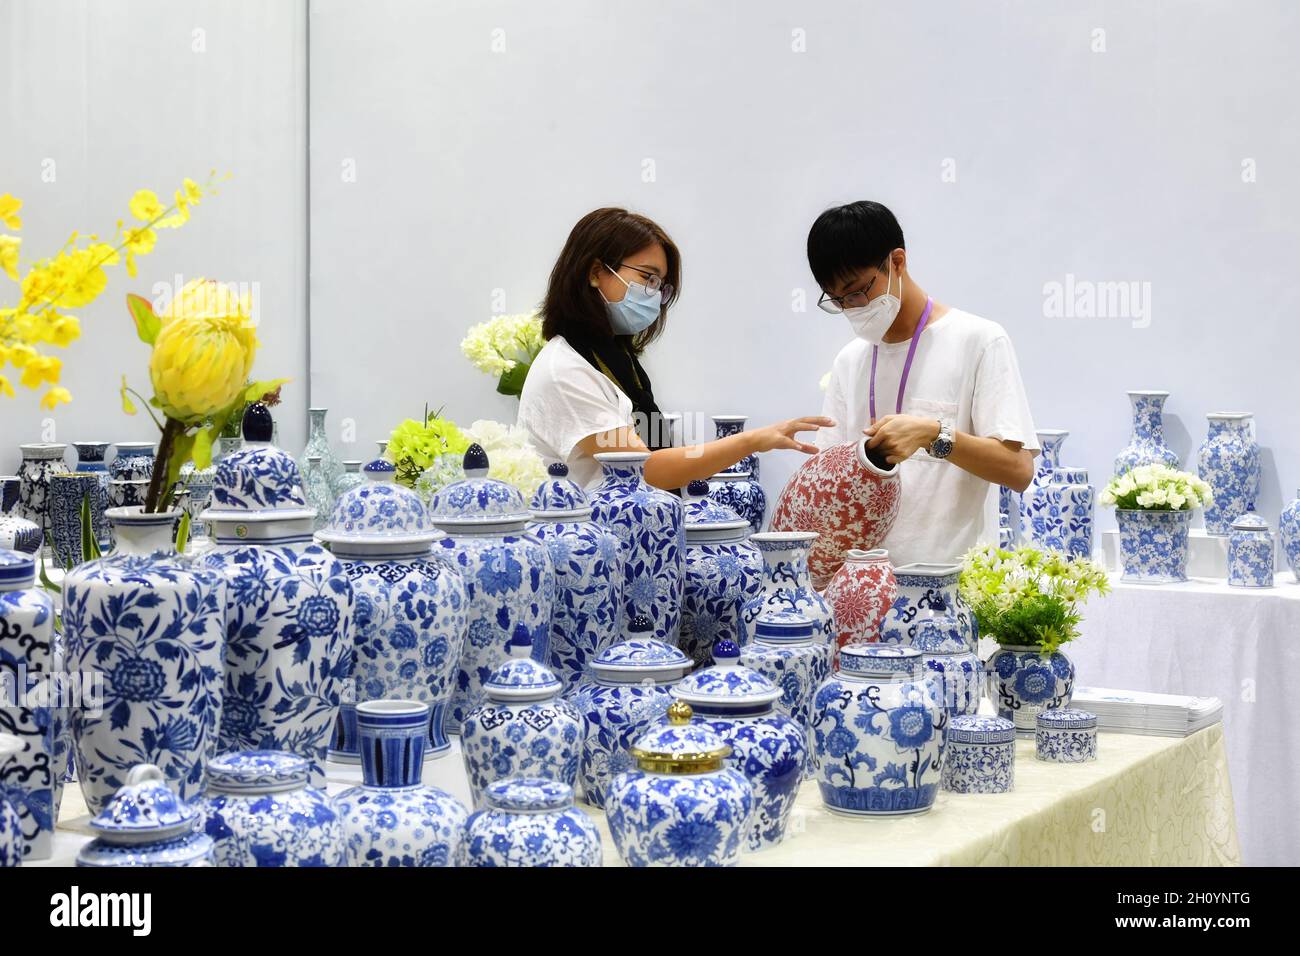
849	495
862	592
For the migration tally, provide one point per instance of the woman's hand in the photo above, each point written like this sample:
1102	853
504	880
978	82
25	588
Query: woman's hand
781	435
899	436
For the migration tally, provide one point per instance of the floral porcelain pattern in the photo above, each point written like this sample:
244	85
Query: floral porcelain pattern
926	592
1032	501
1147	446
378	508
1251	553
1229	461
1289	534
530	823
258	478
786	585
1066	736
980	755
721	578
1153	545
862	592
740	492
39	462
1023	682
1064	522
413	826
503	739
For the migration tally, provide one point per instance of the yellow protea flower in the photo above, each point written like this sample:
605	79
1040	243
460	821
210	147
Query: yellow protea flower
146	206
9	207
204	352
9	255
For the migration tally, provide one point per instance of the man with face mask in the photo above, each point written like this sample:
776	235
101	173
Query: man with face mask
936	389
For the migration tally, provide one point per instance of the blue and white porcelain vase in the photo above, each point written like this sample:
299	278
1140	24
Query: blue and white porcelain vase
682	805
1229	461
11	828
1049	459
92	457
739	705
926	591
741	492
784	650
260	810
948	656
152	627
723	572
40	461
1147	446
508	575
1251	552
650	524
1008	517
10	490
726	425
318	444
66	493
1288	530
522	727
1153	545
352	476
129	473
588	563
625	696
410	611
289	647
979	755
31	780
787	586
1024	681
392	819
530	822
316	487
878	730
1064	523
146	824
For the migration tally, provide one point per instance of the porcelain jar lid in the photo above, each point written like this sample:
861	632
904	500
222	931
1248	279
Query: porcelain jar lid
1066	719
680	746
17	570
144	810
1250	521
257	771
880	660
783	627
559	495
727	685
259	482
379	512
477	501
939	634
521	677
529	795
704	518
978	729
637	658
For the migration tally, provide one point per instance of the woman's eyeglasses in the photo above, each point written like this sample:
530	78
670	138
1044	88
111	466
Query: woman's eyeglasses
653	281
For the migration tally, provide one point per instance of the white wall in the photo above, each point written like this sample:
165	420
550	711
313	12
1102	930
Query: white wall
119	96
472	164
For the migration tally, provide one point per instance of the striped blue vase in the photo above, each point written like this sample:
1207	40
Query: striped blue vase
392	735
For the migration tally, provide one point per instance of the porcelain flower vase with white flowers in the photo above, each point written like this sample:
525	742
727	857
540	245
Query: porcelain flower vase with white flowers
1153	506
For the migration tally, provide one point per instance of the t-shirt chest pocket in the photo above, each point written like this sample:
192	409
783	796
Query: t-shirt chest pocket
945	412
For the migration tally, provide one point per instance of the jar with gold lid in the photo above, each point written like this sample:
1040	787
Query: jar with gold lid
681	806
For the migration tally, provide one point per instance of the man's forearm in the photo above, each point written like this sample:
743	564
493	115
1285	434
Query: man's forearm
993	460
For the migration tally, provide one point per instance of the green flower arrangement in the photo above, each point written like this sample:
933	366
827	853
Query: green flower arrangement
1026	596
1157	488
415	444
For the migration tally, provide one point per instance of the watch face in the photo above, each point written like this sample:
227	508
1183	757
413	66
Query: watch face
941	448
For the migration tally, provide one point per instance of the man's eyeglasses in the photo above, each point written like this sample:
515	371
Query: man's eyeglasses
854	300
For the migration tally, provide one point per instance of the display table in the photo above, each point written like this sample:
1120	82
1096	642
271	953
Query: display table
1146	800
1203	638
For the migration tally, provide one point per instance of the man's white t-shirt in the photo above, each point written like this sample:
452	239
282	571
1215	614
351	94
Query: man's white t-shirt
965	373
566	400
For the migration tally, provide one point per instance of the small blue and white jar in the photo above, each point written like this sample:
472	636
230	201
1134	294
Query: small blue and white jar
588	562
649	523
769	748
784	650
979	755
521	728
1066	736
1024	681
741	492
1288	529
530	822
947	655
723	572
1229	461
392	819
1065	521
1251	552
129	473
878	729
508	574
146	824
682	805
1153	545
410	613
626	695
260	811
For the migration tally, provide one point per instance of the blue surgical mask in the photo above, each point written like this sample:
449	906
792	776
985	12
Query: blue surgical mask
636	311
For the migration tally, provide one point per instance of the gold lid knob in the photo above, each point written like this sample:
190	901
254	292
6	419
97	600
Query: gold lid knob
679	712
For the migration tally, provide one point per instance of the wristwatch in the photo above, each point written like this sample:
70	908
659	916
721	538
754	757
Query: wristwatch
941	447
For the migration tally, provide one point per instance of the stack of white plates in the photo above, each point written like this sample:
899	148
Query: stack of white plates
1141	712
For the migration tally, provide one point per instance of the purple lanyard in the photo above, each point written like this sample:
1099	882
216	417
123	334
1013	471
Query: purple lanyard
907	365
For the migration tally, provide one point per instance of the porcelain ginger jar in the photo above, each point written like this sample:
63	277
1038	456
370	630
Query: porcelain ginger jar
530	822
146	824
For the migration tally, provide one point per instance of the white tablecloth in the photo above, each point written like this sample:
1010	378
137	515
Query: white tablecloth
1204	638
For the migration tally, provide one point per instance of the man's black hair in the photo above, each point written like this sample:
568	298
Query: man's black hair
845	239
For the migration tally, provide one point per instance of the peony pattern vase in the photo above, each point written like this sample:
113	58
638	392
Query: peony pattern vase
1023	681
1064	522
1153	545
1229	461
862	592
1147	446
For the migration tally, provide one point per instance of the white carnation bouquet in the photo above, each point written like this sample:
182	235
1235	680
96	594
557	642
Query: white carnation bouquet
1157	488
505	347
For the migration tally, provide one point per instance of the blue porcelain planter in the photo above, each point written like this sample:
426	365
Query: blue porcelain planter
392	819
530	823
1023	682
1153	545
1229	461
1147	446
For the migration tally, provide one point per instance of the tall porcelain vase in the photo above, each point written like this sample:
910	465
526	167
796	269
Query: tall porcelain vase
40	461
290	605
733	425
1033	502
151	628
1147	446
1229	461
787	587
318	443
649	523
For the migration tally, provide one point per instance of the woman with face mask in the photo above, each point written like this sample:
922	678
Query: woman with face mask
587	392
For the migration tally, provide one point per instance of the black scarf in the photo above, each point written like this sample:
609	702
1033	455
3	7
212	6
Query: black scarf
614	358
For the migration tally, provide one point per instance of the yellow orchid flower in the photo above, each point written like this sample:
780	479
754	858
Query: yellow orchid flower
145	205
9	255
9	206
55	397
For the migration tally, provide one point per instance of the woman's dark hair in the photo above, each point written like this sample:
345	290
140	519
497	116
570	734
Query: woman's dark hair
573	308
845	239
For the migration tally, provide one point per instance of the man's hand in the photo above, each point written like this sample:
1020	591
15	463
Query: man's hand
899	436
